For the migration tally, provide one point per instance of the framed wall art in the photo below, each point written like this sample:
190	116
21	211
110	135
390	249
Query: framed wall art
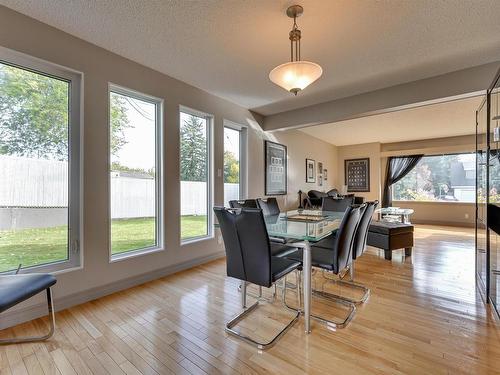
275	168
310	171
357	174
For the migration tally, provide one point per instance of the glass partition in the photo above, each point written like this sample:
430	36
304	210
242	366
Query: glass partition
481	196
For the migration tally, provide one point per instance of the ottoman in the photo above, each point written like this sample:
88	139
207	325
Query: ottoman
390	236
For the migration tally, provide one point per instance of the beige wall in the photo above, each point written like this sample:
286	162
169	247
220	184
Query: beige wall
299	148
443	213
100	67
367	150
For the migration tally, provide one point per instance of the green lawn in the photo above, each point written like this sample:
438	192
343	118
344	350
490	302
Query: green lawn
45	245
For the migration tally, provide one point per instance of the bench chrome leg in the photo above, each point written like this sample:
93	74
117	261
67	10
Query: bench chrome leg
260	345
52	324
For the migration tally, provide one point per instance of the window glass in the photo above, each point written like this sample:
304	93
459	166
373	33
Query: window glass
232	181
134	155
35	127
449	178
195	175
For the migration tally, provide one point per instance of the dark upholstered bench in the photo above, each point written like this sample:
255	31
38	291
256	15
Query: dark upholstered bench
391	236
15	289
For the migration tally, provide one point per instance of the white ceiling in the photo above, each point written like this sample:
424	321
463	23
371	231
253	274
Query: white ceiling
228	47
432	121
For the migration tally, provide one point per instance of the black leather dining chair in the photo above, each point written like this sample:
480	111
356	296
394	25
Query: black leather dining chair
359	247
335	260
249	259
336	204
247	203
268	206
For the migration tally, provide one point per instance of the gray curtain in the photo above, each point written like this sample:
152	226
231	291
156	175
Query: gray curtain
397	168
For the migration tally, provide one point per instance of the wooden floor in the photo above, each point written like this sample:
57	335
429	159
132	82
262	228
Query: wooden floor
423	317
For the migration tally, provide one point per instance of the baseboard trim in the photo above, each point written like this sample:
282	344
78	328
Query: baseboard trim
15	317
443	223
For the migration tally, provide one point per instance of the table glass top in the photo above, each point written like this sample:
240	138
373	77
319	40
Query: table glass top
311	225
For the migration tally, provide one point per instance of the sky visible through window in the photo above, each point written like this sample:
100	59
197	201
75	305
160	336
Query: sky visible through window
138	151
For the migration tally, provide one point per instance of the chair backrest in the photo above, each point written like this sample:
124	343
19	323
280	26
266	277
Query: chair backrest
362	232
247	203
344	239
248	251
336	204
269	206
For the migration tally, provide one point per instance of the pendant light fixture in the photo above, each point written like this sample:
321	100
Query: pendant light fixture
297	74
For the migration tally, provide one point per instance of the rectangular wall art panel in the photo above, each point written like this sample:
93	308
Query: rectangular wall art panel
276	168
357	175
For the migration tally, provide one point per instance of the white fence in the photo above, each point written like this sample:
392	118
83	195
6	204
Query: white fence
36	183
28	182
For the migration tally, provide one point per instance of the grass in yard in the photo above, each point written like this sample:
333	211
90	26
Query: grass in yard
193	226
132	234
46	245
32	246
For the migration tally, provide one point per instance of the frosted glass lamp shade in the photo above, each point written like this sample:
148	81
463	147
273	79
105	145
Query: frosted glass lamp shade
296	75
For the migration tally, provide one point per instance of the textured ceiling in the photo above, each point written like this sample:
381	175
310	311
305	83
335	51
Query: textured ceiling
228	47
433	121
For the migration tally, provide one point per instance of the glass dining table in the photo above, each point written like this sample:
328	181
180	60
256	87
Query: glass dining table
305	227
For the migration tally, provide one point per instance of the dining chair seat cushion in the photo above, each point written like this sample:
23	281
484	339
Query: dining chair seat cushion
280	249
15	289
320	257
282	266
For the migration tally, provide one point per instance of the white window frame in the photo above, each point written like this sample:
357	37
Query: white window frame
243	156
159	230
210	180
75	154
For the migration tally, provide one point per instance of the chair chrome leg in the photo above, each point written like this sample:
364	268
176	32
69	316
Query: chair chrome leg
260	345
350	284
259	296
330	323
52	324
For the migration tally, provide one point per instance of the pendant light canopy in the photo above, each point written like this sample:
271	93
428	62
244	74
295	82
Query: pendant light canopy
297	74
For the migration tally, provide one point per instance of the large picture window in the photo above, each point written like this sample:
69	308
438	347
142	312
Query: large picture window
445	178
135	123
195	173
39	165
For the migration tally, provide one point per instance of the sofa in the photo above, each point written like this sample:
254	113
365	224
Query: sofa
314	198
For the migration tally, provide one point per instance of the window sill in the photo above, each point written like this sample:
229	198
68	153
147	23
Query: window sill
56	271
192	240
134	254
395	203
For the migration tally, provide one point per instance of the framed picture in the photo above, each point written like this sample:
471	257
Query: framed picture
275	168
325	174
357	174
320	180
310	171
320	167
